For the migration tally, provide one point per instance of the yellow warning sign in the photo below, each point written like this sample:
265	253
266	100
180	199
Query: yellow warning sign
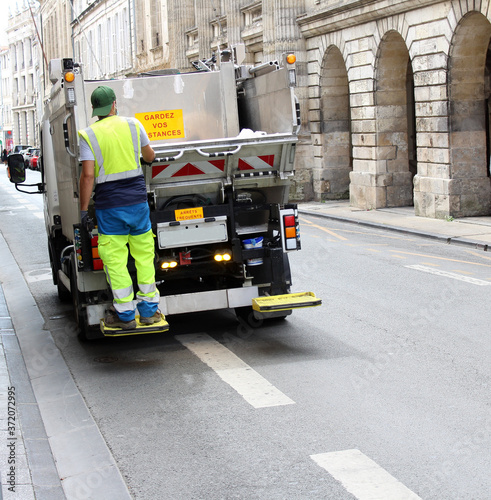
189	213
160	125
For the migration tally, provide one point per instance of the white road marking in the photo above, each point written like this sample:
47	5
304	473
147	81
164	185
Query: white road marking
39	215
17	207
438	272
362	477
38	275
255	389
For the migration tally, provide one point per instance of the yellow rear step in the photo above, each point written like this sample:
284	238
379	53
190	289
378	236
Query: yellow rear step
160	327
285	302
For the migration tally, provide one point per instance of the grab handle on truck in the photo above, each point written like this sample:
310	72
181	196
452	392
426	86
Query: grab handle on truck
297	111
167	158
65	135
221	153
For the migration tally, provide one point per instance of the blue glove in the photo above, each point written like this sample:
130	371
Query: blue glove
87	222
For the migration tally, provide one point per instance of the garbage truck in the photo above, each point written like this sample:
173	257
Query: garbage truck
225	138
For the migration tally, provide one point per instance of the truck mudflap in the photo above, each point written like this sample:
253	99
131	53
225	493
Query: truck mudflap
285	302
160	327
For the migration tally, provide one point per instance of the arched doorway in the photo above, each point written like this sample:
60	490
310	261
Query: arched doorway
333	180
469	92
395	120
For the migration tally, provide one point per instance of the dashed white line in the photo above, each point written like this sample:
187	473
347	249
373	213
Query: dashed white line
255	389
362	477
446	274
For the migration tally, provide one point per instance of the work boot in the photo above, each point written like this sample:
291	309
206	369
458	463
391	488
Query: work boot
150	320
114	321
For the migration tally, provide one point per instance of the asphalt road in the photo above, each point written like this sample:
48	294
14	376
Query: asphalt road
385	386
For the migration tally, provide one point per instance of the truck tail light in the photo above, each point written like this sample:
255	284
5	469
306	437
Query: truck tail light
290	229
96	260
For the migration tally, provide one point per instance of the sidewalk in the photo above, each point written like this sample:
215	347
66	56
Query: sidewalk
27	467
471	231
58	449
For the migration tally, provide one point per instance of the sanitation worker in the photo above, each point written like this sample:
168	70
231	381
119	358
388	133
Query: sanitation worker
110	155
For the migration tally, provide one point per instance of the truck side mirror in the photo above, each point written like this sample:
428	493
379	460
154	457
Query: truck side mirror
16	168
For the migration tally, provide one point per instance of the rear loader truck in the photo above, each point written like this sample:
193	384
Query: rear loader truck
225	140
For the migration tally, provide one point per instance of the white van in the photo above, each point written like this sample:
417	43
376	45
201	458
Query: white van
19	148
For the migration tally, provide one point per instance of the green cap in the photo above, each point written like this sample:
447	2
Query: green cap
102	100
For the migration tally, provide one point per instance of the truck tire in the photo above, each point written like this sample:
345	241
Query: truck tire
245	316
78	311
64	294
85	331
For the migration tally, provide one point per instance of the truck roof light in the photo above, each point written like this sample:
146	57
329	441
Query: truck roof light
291	58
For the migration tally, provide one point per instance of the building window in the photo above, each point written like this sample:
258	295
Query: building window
115	53
253	14
23	91
110	47
99	50
33	122
29	49
26	127
156	23
192	36
125	37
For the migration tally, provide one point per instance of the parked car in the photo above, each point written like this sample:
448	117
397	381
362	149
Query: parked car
33	161
27	153
19	148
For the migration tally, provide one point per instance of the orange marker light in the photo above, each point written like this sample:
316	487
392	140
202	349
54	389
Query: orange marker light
291	58
69	77
290	232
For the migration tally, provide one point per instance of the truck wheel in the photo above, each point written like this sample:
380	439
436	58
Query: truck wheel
85	331
78	310
64	294
245	316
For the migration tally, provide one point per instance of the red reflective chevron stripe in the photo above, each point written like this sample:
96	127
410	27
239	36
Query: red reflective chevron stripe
188	169
184	169
269	159
256	162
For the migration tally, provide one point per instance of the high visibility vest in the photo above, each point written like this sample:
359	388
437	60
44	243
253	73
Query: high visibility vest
115	143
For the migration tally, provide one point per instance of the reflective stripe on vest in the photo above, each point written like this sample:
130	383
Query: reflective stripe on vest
90	135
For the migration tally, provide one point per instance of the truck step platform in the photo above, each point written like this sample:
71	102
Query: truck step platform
160	327
285	302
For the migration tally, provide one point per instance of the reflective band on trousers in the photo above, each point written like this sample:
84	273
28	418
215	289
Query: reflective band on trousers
124	306
123	294
148	293
128	174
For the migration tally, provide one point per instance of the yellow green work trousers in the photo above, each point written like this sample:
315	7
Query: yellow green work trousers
113	250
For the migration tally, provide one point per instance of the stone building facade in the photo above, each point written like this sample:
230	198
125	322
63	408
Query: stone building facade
394	94
399	105
7	136
24	65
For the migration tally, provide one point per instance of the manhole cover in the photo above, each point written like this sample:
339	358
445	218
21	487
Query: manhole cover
106	359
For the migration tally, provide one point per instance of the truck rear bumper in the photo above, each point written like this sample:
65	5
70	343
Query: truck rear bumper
207	301
190	302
